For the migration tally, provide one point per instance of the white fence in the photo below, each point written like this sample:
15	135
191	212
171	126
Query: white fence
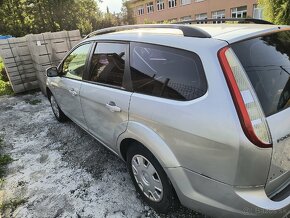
27	58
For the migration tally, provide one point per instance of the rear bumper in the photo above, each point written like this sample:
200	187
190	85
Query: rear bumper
217	199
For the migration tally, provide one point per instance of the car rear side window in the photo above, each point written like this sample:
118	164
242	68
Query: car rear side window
266	61
108	64
166	72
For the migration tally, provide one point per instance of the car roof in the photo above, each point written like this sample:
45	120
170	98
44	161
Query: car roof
237	32
226	32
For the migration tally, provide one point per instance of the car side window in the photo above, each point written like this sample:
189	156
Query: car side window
75	63
108	64
166	72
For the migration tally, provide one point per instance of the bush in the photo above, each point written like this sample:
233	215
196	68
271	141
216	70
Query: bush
3	74
5	88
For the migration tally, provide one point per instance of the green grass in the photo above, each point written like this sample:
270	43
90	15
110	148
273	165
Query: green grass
4	161
33	102
11	205
7	207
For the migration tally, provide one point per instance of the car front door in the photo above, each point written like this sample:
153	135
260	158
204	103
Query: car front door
104	95
68	87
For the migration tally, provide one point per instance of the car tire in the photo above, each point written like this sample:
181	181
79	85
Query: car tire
59	115
150	179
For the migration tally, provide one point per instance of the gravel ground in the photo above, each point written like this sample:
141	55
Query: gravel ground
61	171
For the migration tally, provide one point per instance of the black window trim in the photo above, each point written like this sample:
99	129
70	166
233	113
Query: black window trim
60	66
127	74
179	49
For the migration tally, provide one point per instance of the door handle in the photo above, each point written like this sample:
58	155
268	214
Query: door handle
73	92
113	107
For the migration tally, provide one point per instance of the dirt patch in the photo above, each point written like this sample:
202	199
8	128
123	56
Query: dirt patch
61	171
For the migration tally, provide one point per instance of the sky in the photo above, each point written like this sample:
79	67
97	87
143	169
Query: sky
114	5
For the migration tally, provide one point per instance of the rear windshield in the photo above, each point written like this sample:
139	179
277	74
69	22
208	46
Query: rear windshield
267	62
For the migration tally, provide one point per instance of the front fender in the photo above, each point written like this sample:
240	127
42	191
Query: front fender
152	141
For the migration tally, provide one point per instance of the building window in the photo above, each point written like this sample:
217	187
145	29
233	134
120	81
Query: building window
240	12
140	10
257	12
160	5
172	3
185	2
185	18
150	7
202	16
218	15
199	0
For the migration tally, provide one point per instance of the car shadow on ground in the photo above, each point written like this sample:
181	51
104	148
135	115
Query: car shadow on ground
82	150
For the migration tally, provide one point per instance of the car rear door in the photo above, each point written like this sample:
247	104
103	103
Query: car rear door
67	88
105	94
266	60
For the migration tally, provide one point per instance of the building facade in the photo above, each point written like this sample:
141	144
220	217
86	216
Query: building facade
181	10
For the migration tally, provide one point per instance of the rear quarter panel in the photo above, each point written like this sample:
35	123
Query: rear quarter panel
203	133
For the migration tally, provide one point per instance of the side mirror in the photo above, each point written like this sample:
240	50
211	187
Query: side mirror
52	72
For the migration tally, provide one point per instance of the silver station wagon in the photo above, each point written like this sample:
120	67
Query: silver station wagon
200	113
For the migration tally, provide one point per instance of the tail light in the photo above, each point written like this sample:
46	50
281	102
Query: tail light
250	113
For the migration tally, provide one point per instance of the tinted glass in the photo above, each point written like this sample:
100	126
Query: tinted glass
166	72
108	64
75	64
267	63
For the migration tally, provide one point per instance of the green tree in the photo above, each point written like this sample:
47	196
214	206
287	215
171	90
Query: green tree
127	13
12	16
109	20
276	11
21	17
88	16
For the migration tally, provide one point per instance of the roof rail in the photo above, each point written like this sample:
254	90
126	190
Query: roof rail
239	20
188	31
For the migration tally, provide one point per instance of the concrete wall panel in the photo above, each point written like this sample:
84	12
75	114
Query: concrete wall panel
27	58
